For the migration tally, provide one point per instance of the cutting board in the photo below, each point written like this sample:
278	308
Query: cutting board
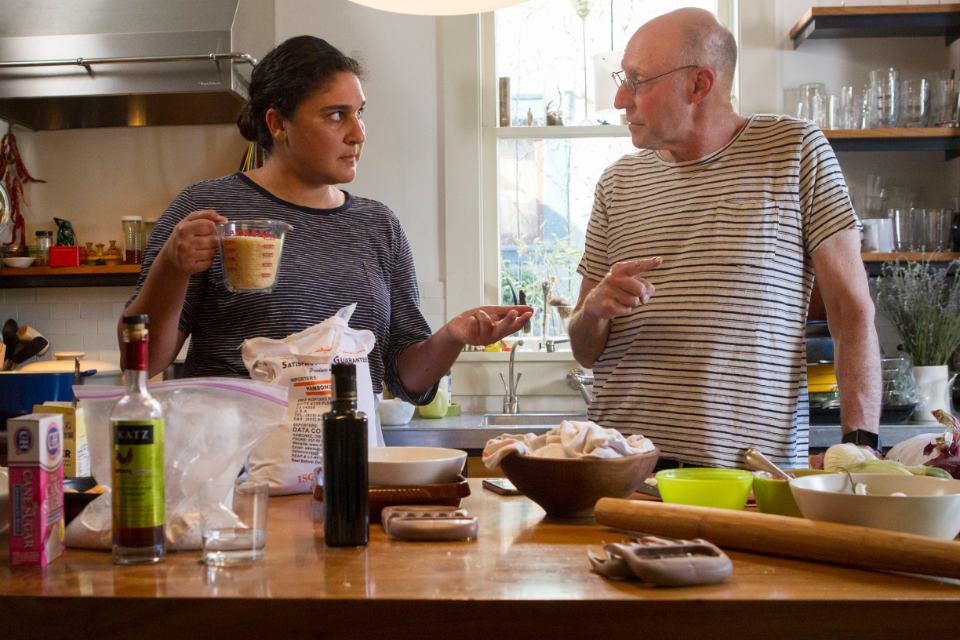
844	544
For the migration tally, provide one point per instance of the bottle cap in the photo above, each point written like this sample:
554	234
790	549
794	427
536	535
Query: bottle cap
44	234
344	380
137	319
131	219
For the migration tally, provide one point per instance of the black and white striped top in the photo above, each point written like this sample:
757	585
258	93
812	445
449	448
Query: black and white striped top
333	257
715	362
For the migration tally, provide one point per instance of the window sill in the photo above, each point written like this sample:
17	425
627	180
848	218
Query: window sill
522	356
543	133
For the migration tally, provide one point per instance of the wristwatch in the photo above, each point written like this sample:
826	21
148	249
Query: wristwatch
862	436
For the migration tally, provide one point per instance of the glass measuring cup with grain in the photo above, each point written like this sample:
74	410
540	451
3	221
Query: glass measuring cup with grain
251	254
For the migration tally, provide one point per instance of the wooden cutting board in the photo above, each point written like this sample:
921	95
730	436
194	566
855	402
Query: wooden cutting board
844	544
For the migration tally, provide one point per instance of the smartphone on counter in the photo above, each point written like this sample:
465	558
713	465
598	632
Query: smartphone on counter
501	485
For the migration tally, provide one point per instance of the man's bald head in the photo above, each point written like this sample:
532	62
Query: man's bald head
695	37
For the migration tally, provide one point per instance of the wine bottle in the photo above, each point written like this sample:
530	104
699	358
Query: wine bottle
137	462
346	520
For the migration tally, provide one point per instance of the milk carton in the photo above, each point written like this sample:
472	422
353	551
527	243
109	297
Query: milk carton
76	451
35	458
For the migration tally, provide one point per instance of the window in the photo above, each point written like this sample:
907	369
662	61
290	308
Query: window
537	180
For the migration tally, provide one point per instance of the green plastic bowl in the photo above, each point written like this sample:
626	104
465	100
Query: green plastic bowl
774	496
720	488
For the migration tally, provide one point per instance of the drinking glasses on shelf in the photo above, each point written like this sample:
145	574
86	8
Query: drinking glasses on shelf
914	103
812	105
874	202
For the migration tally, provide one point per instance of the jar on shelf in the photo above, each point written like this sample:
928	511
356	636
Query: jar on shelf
132	239
43	243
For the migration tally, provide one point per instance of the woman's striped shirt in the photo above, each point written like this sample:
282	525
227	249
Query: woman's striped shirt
715	361
333	257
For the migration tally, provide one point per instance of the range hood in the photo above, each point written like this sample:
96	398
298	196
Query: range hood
128	63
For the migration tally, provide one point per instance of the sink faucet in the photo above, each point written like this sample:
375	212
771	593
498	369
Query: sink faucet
553	343
510	402
578	379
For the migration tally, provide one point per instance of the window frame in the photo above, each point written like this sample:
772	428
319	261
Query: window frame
466	53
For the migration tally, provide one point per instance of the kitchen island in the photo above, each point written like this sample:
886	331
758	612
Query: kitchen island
524	577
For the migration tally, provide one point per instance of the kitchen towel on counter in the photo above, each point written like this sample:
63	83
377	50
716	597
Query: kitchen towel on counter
301	363
572	439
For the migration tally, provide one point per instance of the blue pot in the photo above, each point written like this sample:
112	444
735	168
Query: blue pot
20	391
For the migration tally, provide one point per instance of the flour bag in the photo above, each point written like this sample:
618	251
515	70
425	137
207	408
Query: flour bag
301	362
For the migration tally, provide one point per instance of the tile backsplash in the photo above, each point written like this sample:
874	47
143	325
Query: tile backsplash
85	318
70	318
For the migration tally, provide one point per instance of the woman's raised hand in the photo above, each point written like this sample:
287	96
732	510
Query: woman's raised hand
486	325
192	245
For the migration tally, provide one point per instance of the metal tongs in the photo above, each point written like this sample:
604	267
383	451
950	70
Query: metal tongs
659	561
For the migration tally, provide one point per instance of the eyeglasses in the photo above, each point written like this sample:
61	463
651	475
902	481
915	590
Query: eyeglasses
620	78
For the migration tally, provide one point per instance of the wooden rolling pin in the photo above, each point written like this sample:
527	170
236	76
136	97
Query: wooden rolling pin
845	544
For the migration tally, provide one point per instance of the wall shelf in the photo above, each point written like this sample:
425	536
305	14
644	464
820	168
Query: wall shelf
887	21
946	139
873	262
94	276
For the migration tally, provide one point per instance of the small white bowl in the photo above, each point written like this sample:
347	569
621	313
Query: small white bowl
19	262
394	412
931	506
411	466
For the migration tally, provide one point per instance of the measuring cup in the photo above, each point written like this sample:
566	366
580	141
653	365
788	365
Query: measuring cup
251	254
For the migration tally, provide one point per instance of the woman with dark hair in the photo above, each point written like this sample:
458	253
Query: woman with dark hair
305	109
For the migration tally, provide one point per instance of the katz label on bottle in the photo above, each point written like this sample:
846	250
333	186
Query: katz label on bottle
137	473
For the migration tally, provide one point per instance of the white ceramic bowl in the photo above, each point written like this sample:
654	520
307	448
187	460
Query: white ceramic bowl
395	412
410	466
19	262
931	506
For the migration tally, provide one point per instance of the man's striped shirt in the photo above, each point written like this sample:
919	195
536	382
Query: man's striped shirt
715	361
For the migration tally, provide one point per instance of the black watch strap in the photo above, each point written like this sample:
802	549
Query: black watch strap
862	437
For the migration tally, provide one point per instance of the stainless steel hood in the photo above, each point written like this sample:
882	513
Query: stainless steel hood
68	64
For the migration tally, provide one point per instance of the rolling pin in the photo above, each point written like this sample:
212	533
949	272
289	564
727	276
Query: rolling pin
845	544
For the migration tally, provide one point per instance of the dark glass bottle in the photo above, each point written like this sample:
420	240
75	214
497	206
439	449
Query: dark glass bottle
137	462
346	520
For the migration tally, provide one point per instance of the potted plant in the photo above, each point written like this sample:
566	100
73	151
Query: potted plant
923	304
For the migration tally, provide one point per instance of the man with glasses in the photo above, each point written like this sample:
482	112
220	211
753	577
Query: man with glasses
700	259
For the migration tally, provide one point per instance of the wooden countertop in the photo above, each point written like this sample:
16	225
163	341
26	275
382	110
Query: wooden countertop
524	577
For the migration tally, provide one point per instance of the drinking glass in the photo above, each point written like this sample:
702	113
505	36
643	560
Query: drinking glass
885	86
902	230
944	99
241	539
914	103
850	105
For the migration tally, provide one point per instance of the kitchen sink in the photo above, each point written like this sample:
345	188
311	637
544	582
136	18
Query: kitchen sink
513	419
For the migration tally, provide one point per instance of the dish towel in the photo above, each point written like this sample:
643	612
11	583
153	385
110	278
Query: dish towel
572	439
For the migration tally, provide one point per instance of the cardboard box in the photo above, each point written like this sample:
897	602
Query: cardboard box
35	457
76	450
65	256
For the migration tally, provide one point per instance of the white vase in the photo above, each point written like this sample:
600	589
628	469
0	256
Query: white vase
933	391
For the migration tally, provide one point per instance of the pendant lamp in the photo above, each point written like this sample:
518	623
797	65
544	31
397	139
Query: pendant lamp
437	7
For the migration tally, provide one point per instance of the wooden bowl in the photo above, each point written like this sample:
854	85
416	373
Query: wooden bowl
569	488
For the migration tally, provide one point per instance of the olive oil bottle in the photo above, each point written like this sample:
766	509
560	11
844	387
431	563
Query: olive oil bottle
137	463
346	520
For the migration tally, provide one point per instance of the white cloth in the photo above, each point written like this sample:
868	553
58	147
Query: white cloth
571	439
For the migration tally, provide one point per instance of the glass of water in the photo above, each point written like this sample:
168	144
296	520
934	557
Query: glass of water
241	539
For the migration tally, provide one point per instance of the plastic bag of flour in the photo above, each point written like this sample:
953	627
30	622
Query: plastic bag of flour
211	424
301	362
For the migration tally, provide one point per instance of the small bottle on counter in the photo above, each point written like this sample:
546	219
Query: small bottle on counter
346	517
137	462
